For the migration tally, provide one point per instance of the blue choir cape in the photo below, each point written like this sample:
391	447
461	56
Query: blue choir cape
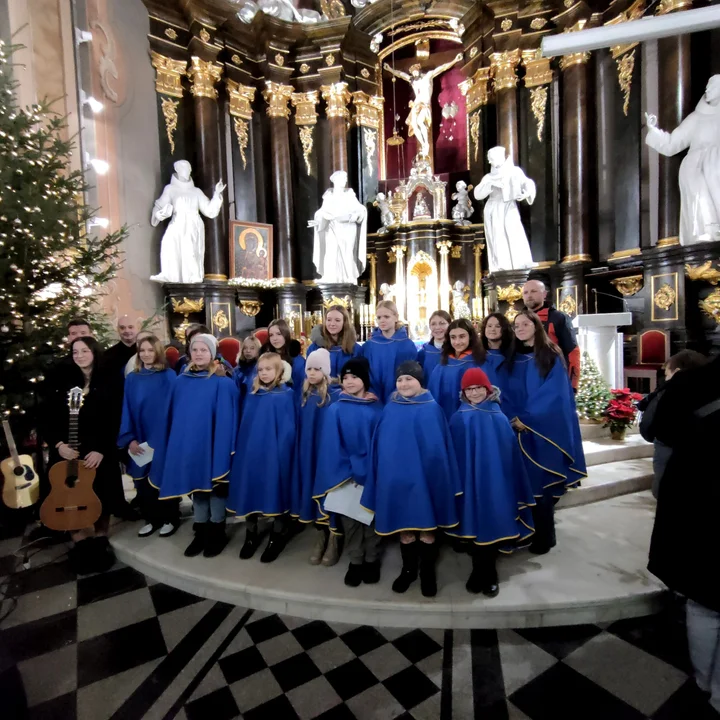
145	412
552	445
201	435
384	355
337	357
414	478
347	433
428	356
243	376
311	418
493	366
261	475
445	382
497	495
297	376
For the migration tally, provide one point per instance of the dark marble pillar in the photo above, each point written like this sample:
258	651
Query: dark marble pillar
337	97
209	151
475	90
285	261
504	65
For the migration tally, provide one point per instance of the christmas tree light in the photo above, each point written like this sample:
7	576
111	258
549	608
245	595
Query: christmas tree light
593	392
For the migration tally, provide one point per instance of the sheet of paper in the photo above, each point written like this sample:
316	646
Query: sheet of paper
345	500
146	457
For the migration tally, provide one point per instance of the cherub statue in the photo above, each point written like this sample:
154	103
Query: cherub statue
387	291
463	209
382	203
461	309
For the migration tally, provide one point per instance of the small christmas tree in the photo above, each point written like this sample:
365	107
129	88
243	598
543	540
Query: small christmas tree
53	266
593	392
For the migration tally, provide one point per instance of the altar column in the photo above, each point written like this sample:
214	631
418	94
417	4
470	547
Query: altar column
503	65
203	75
337	97
475	91
674	106
277	95
400	289
575	151
443	247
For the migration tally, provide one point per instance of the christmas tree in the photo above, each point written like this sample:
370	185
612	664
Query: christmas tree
53	265
593	392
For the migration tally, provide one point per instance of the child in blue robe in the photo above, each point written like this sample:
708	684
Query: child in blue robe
497	496
195	460
387	348
496	336
461	351
337	336
244	372
317	395
414	479
429	354
344	458
262	469
146	400
279	341
538	399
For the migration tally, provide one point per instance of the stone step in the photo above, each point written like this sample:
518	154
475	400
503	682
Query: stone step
593	431
607	450
610	480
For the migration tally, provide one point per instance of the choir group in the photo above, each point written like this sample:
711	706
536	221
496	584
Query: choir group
475	436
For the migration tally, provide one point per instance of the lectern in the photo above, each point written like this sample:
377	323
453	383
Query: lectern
598	336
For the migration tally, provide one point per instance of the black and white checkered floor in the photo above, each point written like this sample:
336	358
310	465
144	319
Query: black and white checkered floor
119	646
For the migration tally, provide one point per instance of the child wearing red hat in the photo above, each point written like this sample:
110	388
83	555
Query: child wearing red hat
497	495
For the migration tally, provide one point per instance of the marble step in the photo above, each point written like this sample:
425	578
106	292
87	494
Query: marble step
607	450
610	480
593	431
595	574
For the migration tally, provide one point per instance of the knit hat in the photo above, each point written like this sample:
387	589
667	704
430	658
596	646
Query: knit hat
359	367
412	368
319	359
209	340
475	377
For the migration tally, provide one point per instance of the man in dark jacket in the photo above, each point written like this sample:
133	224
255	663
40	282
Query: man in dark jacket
683	549
116	357
557	325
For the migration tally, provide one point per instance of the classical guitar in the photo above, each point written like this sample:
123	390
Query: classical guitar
71	504
21	485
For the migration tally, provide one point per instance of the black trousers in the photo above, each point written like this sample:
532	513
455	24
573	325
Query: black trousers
544	518
154	510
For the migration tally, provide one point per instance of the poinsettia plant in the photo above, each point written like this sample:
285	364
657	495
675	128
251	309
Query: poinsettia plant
621	411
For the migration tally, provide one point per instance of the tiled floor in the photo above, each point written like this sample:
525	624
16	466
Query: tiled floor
118	646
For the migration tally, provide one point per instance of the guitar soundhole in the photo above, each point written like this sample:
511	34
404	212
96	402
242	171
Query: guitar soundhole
71	480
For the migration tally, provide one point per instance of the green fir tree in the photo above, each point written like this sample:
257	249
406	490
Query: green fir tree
54	265
593	393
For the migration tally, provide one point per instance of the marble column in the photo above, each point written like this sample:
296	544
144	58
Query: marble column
504	65
575	157
277	95
673	107
337	97
400	289
203	77
443	247
475	91
372	259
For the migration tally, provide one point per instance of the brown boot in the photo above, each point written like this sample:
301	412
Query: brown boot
320	544
332	552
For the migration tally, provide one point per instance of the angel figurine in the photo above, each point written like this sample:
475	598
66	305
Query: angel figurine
463	209
382	203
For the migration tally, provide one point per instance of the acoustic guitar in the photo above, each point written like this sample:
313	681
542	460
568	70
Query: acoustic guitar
21	485
72	503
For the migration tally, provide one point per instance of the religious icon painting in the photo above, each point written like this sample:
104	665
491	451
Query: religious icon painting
251	250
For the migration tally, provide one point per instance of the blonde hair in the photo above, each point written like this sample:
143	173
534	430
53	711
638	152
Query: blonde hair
160	362
323	388
276	361
392	307
347	337
254	341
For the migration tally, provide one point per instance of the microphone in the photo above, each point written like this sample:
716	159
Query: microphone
614	297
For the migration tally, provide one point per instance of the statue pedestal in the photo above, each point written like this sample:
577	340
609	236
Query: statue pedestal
598	336
337	294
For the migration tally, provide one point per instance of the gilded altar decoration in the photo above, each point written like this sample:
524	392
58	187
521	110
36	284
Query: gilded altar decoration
242	131
280	59
625	67
391	257
185	308
538	103
473	51
332	9
538	23
511	313
306	140
568	3
262	283
372	258
236	59
423	25
506	24
169	111
665	297
568	305
370	138
337	97
170	33
475	89
251	249
241	97
368	109
503	65
710	306
365	73
168	74
304	68
668	6
475	132
205	35
203	76
345	302
250	307
703	272
276	96
509	293
477	252
628	286
578	58
330	60
220	320
456	253
445	288
305	119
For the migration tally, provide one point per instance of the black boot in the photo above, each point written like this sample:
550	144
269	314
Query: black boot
198	543
354	575
274	547
409	572
252	541
428	559
216	540
484	578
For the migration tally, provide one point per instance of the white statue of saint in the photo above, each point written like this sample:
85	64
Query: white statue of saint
463	209
419	121
699	176
421	211
339	247
182	251
504	187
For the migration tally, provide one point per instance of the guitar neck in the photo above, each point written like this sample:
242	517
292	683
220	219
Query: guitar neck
73	432
10	440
